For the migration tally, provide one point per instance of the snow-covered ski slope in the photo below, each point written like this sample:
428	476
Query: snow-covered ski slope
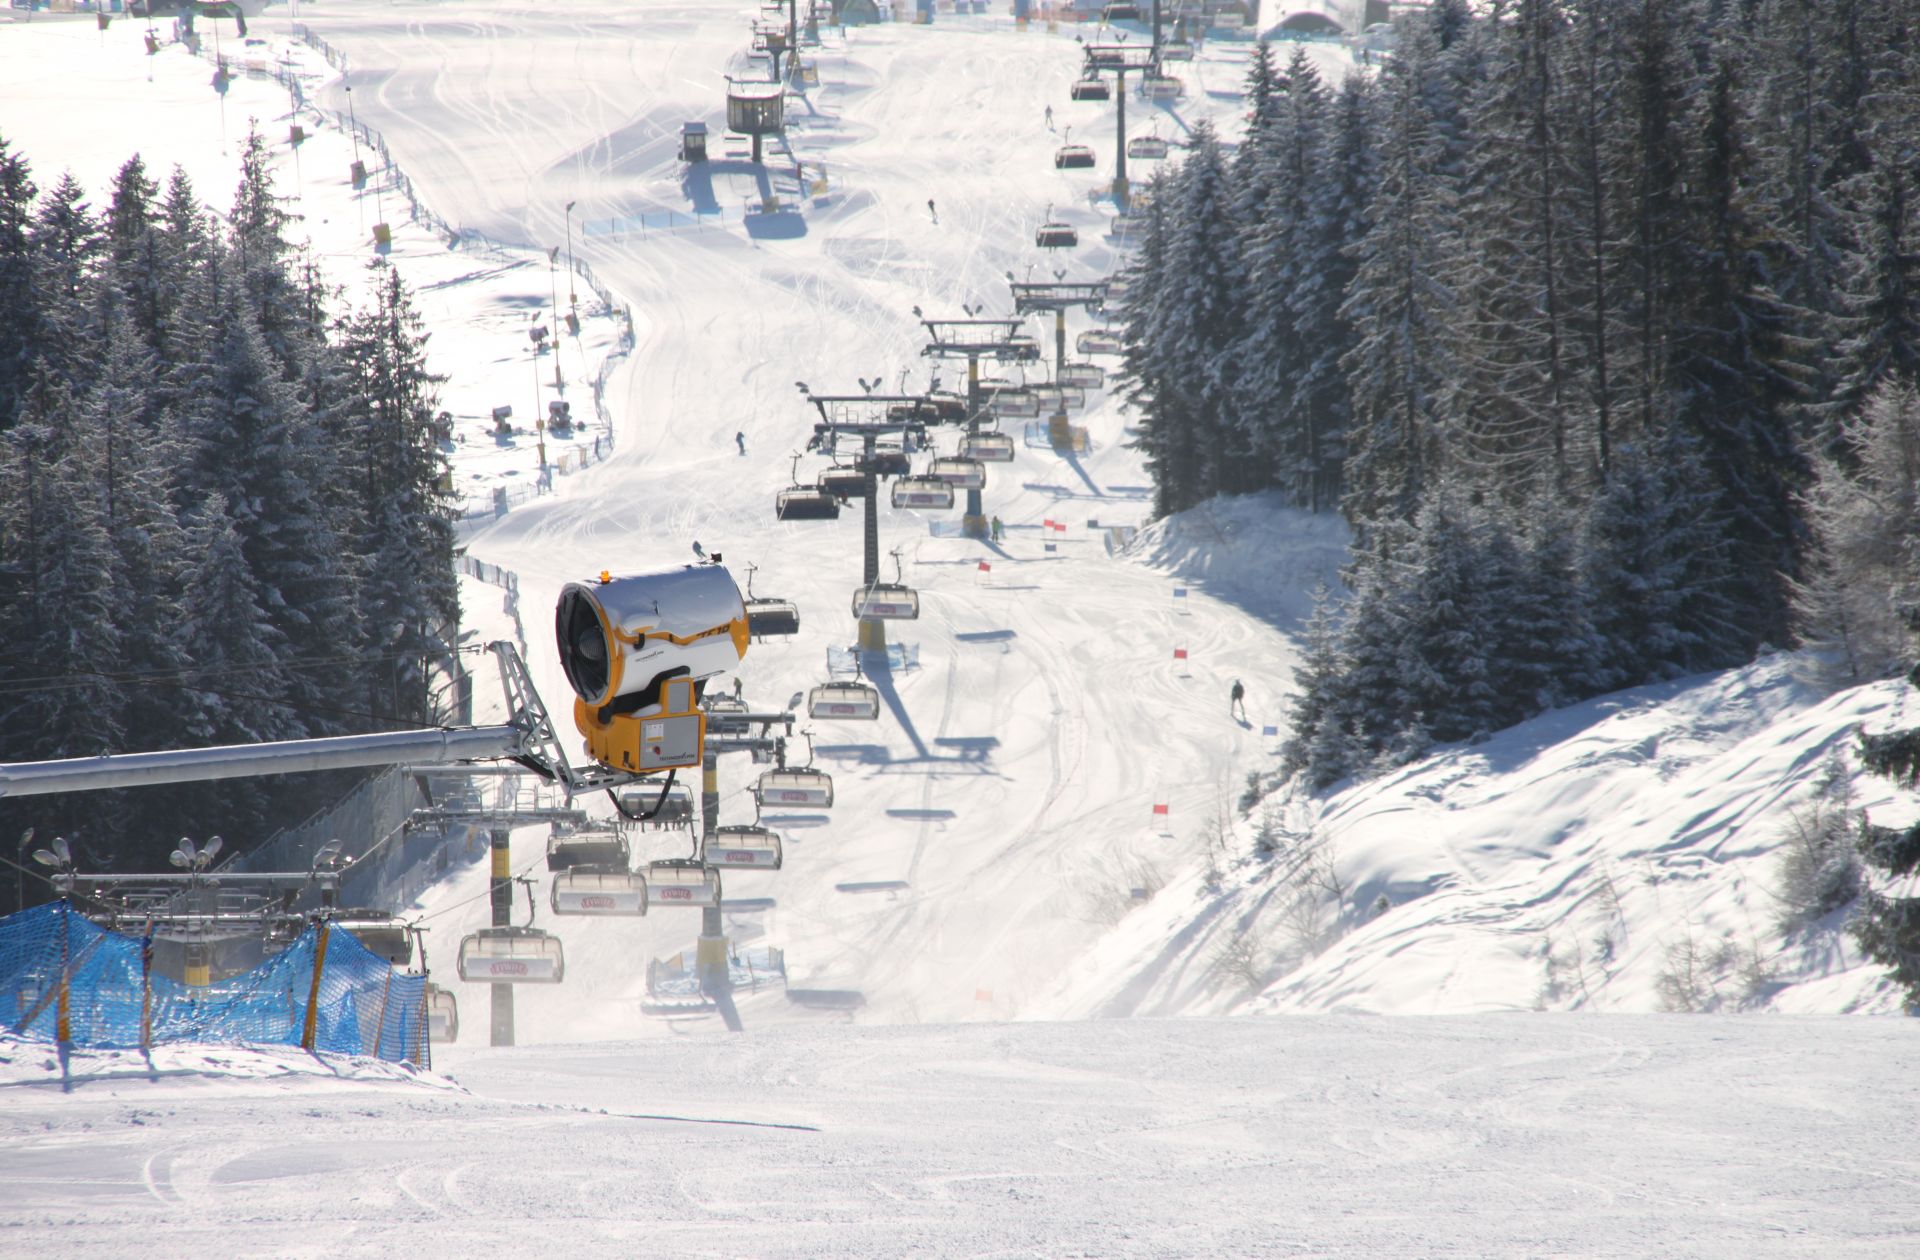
1010	783
1484	1138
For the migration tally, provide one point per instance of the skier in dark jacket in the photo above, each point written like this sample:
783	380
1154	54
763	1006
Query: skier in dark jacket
1237	700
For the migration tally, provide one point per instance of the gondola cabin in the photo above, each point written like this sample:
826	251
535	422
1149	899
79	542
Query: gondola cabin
922	492
886	601
511	955
587	890
683	883
742	848
960	472
798	788
843	702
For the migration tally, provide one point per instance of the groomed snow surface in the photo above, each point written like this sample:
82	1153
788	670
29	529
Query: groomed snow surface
993	854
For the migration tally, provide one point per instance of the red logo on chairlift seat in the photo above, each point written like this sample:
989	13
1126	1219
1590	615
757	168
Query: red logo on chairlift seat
506	967
596	902
676	894
789	794
739	857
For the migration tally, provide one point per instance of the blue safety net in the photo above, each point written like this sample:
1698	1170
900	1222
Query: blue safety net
114	998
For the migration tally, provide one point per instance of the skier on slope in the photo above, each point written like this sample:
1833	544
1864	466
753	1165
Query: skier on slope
740	440
931	211
1237	700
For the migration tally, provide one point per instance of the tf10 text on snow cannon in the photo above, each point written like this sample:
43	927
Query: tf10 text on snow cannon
637	650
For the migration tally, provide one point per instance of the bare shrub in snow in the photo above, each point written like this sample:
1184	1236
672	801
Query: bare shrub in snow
1818	868
1245	956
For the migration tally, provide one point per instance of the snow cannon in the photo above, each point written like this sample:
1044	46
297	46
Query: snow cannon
637	651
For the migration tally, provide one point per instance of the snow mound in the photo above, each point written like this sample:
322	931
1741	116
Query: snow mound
1254	550
25	1062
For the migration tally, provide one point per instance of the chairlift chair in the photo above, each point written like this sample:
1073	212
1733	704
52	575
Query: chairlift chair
1165	87
593	846
1015	404
844	702
443	1015
598	891
891	463
1090	90
511	955
1099	341
1081	375
886	601
1056	236
922	492
380	932
1118	288
960	472
1121	13
1125	228
1176	50
806	503
1052	401
844	483
742	848
1149	148
801	786
675	806
771	618
1073	157
990	448
687	883
1228	20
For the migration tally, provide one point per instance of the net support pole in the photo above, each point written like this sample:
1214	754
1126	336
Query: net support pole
502	890
63	1024
146	991
310	1032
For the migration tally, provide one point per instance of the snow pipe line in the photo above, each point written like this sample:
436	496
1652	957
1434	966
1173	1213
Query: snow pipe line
64	978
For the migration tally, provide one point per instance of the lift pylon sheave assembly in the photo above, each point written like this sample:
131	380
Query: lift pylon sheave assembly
637	649
598	891
511	955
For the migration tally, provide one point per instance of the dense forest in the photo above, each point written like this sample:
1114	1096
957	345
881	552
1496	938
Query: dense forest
1599	323
223	515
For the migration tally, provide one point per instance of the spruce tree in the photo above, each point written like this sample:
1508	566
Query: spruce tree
1886	924
20	309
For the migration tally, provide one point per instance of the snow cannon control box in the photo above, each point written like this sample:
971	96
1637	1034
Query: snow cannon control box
637	650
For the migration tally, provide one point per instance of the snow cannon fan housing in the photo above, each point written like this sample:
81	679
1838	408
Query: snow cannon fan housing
636	650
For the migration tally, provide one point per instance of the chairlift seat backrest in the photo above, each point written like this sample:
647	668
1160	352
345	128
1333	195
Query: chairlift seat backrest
511	955
802	787
806	503
595	847
992	448
960	472
381	933
683	883
1082	375
1056	236
748	848
844	701
922	492
587	890
767	618
675	811
886	601
844	483
443	1015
